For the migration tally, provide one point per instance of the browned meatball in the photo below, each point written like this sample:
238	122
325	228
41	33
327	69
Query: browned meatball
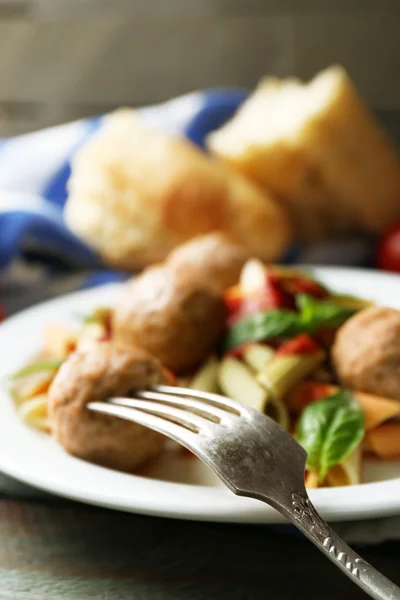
94	374
175	317
215	258
366	352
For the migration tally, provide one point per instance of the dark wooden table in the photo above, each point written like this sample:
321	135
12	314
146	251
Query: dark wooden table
59	550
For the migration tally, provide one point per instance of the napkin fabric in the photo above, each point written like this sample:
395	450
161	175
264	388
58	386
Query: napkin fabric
40	258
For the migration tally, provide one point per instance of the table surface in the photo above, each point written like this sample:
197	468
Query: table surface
61	550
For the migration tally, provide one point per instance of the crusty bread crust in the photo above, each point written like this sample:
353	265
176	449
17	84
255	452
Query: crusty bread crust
135	193
317	148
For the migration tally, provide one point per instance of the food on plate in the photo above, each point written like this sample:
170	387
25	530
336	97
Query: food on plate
384	441
319	150
388	251
175	317
177	310
206	378
96	373
215	257
366	352
377	409
275	339
135	193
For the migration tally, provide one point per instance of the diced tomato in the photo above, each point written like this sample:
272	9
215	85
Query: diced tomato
233	298
301	344
238	351
299	285
306	393
270	297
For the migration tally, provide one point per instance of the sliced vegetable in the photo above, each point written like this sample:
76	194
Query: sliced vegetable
376	409
206	379
301	344
284	372
302	285
307	392
37	367
330	430
257	356
384	440
237	382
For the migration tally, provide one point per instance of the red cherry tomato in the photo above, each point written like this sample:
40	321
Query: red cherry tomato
388	254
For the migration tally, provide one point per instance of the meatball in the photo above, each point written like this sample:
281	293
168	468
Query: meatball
215	258
94	374
172	315
366	352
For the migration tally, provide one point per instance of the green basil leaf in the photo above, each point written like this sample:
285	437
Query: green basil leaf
37	367
321	313
263	326
329	430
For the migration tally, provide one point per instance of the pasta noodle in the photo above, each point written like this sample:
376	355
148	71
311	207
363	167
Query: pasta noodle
257	356
284	372
277	411
346	473
384	440
206	379
35	413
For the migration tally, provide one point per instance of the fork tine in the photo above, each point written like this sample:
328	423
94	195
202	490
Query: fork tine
185	418
203	409
178	433
222	402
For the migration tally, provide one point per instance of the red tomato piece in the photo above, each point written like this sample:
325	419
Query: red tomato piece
238	351
301	344
2	313
298	285
388	251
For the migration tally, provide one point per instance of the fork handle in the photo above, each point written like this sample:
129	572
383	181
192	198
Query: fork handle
304	516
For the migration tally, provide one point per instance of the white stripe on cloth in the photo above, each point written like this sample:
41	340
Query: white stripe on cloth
28	162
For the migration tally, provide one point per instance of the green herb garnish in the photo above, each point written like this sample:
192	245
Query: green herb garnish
329	430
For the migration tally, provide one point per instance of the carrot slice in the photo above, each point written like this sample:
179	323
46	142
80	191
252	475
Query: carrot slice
377	409
384	440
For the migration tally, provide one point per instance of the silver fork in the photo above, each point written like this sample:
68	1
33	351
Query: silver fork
253	456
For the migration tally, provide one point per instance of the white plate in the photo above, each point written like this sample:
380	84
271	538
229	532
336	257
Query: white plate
175	486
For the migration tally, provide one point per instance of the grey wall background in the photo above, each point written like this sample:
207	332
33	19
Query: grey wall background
61	59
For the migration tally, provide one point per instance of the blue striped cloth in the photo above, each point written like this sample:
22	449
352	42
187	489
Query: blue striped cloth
34	169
